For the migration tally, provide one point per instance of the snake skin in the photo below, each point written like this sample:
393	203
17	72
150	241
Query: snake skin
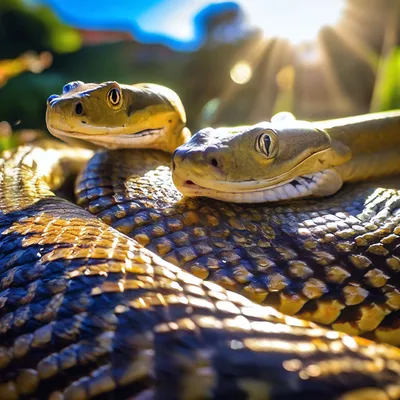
87	313
335	261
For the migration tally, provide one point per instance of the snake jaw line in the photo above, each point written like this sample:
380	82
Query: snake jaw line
319	184
149	138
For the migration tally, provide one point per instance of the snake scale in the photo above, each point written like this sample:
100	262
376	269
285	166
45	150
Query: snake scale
334	262
87	312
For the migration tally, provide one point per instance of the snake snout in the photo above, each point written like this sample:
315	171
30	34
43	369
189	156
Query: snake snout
187	161
187	155
173	157
51	99
177	157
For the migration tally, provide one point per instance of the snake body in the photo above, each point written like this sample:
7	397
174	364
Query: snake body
334	261
87	312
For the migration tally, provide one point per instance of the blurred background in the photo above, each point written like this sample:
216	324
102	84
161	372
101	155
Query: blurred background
236	62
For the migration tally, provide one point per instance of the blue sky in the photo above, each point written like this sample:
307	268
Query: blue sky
176	22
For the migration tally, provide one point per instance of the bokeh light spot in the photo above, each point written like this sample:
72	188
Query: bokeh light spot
66	40
241	72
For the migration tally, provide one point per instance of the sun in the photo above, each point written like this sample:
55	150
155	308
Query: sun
297	21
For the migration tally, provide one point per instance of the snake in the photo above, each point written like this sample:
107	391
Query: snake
287	159
137	292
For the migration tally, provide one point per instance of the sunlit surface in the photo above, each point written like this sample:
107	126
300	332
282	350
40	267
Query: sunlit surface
241	73
297	21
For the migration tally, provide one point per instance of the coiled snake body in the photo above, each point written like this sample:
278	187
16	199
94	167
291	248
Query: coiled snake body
87	312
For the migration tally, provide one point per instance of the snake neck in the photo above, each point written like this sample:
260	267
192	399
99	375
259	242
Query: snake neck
30	174
374	142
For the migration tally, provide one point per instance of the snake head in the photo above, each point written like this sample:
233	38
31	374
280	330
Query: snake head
118	116
247	164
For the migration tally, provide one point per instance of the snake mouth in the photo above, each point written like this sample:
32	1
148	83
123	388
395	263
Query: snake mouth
322	183
111	137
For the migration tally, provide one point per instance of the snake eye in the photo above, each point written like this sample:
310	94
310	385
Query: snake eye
266	144
114	96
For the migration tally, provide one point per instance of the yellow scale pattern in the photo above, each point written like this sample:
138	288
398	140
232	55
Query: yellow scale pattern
86	311
334	261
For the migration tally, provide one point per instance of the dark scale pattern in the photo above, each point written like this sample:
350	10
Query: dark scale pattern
87	313
335	260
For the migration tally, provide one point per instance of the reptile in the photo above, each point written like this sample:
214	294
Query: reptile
333	262
144	115
87	312
287	159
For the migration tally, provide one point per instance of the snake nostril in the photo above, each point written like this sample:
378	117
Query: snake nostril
189	182
78	108
214	162
52	97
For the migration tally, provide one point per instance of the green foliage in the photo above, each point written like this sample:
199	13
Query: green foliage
62	38
33	28
387	90
26	99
